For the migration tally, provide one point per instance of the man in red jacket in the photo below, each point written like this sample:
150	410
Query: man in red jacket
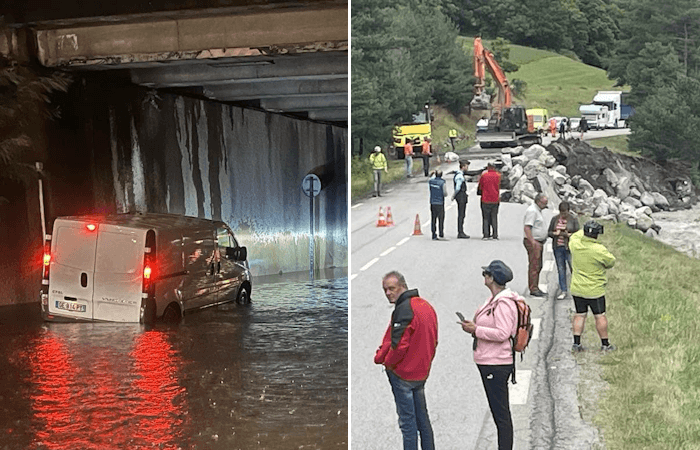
489	189
407	352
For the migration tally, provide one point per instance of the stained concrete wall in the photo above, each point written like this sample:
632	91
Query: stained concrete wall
127	149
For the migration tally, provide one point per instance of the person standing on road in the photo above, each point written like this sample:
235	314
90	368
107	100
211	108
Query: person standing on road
553	127
407	352
535	236
460	195
426	154
562	128
438	192
561	227
492	328
590	260
408	155
583	125
378	162
489	189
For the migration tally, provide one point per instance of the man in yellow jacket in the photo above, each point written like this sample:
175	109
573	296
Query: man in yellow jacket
378	162
590	261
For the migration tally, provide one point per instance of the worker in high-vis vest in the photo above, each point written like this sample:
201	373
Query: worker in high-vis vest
378	162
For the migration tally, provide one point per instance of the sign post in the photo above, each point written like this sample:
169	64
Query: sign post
311	185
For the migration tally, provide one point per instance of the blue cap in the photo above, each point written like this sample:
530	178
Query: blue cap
499	271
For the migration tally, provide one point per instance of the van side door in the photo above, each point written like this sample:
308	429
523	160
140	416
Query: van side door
199	253
233	265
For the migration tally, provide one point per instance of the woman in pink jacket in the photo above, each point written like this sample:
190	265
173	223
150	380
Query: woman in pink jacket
493	325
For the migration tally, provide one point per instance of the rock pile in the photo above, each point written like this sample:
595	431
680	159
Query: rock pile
597	182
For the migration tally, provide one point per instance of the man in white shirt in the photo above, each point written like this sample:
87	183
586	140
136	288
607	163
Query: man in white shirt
535	230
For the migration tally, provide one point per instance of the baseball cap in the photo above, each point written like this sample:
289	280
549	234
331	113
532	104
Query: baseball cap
499	271
377	149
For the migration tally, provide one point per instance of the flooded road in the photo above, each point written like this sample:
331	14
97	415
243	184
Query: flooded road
269	375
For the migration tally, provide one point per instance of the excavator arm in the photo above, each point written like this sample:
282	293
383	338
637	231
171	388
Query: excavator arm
484	60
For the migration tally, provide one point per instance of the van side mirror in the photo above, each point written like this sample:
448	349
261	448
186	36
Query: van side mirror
237	253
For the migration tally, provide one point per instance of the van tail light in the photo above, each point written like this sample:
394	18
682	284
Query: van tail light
47	259
91	227
46	265
149	259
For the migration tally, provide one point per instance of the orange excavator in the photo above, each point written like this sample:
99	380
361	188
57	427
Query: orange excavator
509	125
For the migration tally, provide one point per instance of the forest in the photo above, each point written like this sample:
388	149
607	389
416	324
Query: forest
406	53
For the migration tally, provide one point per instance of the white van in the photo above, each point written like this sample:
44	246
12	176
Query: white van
138	267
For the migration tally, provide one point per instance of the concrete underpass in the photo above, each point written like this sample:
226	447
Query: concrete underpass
214	112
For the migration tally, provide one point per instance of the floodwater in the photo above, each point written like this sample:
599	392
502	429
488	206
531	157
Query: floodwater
269	375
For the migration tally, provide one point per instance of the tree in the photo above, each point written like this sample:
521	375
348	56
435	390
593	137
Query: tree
24	98
404	54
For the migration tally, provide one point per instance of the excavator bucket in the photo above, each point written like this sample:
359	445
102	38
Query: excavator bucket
480	102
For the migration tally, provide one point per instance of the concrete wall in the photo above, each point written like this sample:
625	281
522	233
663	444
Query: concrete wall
119	149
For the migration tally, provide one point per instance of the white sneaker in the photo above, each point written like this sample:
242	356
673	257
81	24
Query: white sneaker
561	296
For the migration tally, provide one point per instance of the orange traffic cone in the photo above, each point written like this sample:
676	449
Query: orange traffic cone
416	227
389	219
381	222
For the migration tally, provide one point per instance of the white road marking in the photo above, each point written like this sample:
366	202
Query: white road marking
355	206
548	266
369	264
425	224
403	241
387	251
518	392
353	276
536	328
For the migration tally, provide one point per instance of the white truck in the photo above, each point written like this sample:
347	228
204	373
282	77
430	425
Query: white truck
596	116
616	111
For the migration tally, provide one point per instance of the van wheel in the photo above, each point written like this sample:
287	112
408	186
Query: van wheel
172	314
243	296
148	311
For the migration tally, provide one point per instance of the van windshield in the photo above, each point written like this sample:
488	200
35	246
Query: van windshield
119	253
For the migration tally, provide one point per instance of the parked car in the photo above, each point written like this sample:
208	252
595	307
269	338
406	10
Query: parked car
138	267
574	124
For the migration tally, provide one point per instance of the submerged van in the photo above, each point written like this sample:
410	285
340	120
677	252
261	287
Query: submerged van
139	267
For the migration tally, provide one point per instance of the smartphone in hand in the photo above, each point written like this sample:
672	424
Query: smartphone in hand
461	317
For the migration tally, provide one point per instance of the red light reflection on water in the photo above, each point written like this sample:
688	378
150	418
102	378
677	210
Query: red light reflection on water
88	397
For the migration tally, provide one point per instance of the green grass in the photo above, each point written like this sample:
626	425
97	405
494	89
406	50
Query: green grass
362	181
653	298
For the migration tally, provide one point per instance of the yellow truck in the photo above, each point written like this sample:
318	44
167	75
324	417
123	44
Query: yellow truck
416	132
540	119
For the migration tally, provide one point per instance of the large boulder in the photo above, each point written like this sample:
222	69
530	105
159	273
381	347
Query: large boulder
520	160
647	199
633	201
533	152
611	176
660	201
534	168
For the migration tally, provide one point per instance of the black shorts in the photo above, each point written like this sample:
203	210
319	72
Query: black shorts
597	305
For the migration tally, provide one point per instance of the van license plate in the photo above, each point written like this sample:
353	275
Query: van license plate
68	306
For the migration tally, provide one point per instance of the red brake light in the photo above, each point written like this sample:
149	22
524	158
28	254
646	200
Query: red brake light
47	259
91	226
147	272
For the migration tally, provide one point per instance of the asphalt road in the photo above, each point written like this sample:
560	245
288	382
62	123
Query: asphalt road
448	274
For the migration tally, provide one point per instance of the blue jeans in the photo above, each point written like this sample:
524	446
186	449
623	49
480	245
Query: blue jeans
409	165
413	412
562	255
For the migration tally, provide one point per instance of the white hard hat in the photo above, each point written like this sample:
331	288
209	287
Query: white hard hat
377	149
